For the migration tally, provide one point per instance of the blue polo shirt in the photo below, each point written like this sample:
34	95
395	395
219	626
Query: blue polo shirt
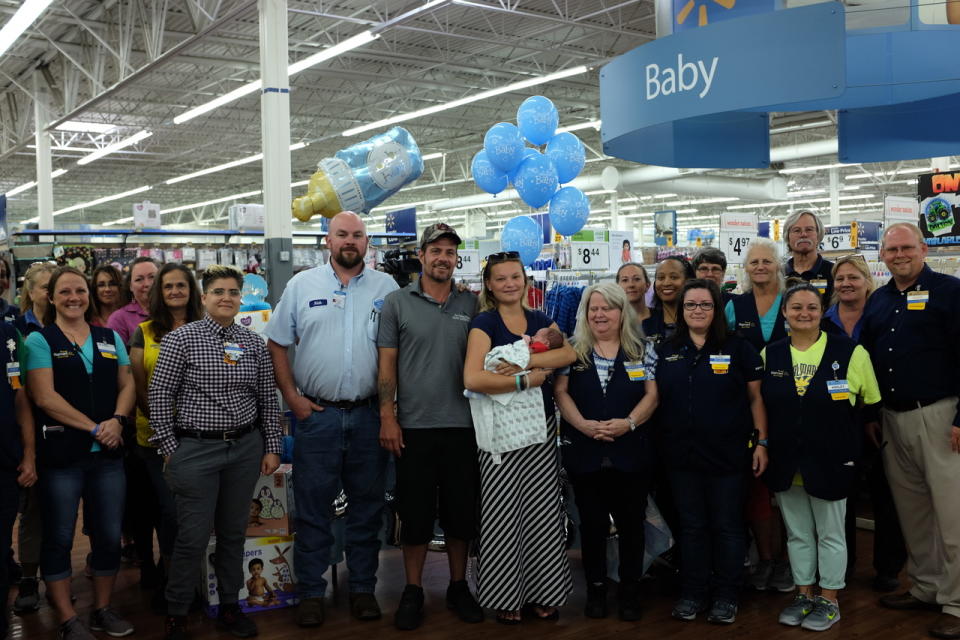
913	337
832	315
335	330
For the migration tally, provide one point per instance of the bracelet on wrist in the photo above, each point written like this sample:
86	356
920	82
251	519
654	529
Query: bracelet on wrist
632	423
96	428
517	379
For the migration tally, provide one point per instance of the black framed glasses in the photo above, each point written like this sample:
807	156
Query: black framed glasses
690	306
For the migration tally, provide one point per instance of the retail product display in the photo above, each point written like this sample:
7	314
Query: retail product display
361	176
272	505
269	577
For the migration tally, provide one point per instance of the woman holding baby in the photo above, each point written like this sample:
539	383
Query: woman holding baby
522	563
605	398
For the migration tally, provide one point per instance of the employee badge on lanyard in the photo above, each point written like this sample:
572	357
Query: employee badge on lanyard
720	363
13	367
839	389
232	352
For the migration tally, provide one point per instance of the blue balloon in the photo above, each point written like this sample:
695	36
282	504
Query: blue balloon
527	153
538	119
536	180
523	235
566	151
569	210
504	146
487	176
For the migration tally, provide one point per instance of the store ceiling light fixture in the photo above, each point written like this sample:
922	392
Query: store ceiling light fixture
76	126
33	183
25	16
116	146
593	124
817	167
227	165
330	52
453	104
93	203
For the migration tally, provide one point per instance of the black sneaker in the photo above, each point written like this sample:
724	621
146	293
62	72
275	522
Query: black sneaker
460	600
176	628
28	596
409	614
628	601
596	601
722	612
232	619
310	612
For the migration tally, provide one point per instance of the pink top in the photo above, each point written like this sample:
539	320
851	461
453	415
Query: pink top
126	319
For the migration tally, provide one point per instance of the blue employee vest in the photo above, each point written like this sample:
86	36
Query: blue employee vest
94	395
11	448
748	322
812	434
630	452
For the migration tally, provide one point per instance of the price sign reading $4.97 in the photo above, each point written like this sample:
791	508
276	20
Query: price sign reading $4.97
735	247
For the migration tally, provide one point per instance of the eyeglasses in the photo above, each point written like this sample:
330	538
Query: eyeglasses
705	269
220	291
503	255
690	306
850	257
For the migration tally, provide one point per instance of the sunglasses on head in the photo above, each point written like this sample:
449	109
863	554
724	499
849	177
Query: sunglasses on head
851	256
501	256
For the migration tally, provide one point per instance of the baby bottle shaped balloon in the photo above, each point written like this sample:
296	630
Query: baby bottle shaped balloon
361	176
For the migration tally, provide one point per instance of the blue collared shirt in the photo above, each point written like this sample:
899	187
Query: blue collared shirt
833	315
913	337
335	330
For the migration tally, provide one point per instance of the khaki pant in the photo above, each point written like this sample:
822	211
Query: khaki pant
924	477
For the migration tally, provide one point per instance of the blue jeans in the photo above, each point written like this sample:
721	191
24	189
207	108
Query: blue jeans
712	534
102	484
334	448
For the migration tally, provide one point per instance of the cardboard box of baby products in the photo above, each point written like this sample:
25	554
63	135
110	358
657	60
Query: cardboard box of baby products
268	578
271	507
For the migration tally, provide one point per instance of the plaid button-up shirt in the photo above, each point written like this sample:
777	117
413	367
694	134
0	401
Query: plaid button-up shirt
197	386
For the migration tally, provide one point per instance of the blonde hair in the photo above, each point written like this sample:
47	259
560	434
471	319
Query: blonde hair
30	281
487	301
859	263
771	246
631	335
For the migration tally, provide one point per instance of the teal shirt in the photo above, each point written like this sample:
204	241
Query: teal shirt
38	352
767	321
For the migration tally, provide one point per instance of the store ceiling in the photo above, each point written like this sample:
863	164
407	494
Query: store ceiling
137	64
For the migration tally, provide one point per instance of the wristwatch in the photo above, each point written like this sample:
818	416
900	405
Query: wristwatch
633	425
763	442
123	420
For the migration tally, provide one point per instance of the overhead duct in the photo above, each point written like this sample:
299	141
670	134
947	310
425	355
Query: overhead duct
670	180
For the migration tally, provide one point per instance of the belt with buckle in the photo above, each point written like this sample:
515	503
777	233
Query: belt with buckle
346	405
209	434
908	405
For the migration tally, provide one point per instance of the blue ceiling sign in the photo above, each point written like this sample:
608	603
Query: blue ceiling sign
701	97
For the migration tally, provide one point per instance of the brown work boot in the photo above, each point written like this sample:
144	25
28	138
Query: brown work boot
946	626
905	601
310	612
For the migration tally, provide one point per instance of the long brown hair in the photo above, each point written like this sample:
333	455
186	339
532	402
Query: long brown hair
128	277
50	315
718	332
160	313
115	276
487	301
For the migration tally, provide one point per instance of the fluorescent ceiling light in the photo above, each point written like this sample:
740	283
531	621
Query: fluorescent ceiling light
818	167
593	124
196	205
85	127
898	172
433	156
800	127
483	95
783	203
328	53
116	146
33	183
25	16
227	165
93	203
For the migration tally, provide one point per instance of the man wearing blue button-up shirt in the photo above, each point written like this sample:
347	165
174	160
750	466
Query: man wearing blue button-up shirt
332	313
911	326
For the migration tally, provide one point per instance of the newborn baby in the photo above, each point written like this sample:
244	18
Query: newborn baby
544	340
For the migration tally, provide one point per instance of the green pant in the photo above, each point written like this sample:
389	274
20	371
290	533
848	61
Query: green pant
815	537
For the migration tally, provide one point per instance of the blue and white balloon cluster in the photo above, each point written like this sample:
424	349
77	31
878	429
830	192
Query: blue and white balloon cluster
537	176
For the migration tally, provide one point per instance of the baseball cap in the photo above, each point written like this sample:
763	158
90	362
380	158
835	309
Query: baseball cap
436	231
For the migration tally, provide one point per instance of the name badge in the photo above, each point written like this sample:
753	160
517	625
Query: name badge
13	374
821	285
232	352
107	350
635	371
917	300
339	299
839	389
321	302
720	363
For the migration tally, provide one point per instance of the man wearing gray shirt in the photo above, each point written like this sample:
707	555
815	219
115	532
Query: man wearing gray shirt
422	342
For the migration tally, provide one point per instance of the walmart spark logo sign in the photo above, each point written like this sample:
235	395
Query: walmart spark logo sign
691	14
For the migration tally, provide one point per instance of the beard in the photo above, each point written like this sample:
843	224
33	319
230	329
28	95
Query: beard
348	261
